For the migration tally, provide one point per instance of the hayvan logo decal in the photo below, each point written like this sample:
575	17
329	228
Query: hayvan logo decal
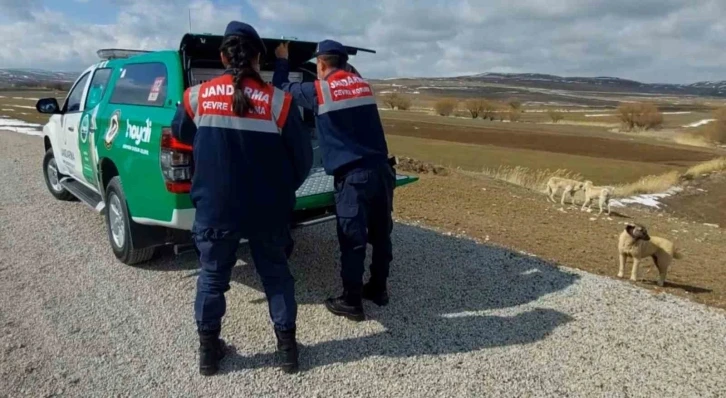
137	134
112	129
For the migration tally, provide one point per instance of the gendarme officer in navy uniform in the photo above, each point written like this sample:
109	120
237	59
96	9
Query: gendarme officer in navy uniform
251	153
355	152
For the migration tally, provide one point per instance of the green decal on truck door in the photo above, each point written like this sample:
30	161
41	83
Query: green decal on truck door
88	133
84	144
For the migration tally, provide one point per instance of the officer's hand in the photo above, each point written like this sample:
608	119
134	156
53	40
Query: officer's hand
281	50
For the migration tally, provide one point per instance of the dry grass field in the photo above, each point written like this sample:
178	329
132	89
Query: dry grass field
594	153
20	104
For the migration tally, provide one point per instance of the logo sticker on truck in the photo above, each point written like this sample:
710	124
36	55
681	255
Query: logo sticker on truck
136	135
112	129
83	129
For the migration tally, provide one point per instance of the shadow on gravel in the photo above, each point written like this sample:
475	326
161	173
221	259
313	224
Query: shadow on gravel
441	288
687	288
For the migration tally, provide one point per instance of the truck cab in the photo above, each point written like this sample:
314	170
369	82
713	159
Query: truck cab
109	144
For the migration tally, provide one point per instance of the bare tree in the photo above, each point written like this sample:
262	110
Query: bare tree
488	110
502	111
514	115
390	99
403	103
445	107
396	100
556	116
716	130
515	105
642	116
475	107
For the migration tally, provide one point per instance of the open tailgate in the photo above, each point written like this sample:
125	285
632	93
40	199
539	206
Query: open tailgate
317	191
205	46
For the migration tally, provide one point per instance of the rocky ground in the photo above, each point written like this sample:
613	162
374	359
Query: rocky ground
466	318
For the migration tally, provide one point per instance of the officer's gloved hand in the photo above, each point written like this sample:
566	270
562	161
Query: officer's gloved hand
282	51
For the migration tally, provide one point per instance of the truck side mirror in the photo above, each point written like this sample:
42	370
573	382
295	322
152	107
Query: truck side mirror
47	105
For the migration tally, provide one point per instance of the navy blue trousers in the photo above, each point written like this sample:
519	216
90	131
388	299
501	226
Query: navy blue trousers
364	203
217	256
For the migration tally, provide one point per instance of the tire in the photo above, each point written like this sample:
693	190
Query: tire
118	225
53	176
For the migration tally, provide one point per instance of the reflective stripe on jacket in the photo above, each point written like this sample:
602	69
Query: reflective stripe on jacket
350	127
246	169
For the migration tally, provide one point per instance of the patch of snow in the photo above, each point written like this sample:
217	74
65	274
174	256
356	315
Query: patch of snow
23	106
26	98
20	126
649	200
700	123
677	113
8	110
600	115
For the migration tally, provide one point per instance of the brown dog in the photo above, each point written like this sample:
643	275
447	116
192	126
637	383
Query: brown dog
637	244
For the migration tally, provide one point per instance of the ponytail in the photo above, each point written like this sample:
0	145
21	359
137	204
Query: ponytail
240	53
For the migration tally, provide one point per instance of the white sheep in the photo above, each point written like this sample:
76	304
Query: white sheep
568	186
604	194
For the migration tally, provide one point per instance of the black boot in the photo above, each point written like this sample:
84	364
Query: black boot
211	352
376	292
287	350
348	305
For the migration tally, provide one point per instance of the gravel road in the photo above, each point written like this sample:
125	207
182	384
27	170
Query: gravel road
465	319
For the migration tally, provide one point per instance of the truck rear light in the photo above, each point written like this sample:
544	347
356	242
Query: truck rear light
177	174
175	158
176	163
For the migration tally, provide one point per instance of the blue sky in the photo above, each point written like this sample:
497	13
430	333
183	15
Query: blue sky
648	40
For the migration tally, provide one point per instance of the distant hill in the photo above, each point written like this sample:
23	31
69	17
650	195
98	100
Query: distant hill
552	82
39	77
34	77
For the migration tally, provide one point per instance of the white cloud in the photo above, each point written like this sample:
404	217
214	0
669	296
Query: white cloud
48	39
649	40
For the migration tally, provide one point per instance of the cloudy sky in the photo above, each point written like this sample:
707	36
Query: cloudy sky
677	41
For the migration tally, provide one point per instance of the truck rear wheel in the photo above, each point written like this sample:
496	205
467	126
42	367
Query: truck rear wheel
118	224
53	178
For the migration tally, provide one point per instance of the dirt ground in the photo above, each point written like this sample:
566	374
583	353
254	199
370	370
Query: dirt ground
702	200
499	213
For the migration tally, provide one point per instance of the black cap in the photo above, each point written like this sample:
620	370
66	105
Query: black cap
236	28
331	47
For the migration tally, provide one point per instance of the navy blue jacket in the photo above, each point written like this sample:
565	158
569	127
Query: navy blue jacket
246	169
349	127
